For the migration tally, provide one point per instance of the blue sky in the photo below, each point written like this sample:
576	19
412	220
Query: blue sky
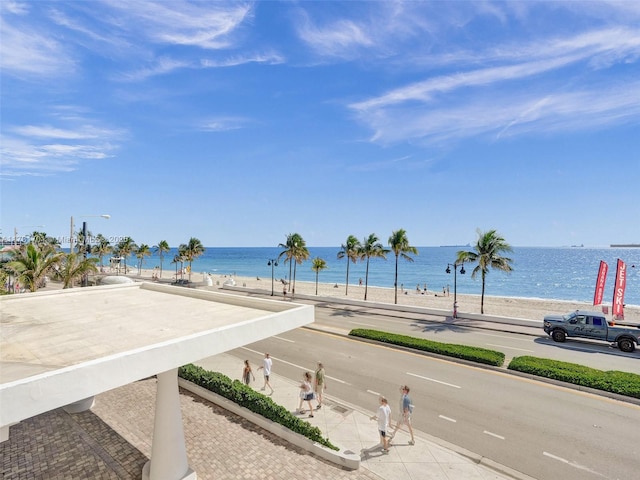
238	123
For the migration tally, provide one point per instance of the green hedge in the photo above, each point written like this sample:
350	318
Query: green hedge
245	396
474	354
622	383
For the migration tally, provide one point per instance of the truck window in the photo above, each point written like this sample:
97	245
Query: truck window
598	322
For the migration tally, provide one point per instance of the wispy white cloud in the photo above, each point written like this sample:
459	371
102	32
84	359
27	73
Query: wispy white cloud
207	25
28	53
340	38
46	149
223	124
499	116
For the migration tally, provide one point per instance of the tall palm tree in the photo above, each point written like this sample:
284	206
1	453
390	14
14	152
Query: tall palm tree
182	257
371	248
399	244
75	266
31	263
289	248
161	249
300	254
142	251
318	264
349	250
192	251
102	247
487	253
124	248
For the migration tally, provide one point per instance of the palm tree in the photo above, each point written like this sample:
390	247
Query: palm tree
300	254
31	263
349	250
124	248
192	251
75	266
161	249
289	248
177	259
399	244
371	247
318	264
142	251
182	257
487	252
102	247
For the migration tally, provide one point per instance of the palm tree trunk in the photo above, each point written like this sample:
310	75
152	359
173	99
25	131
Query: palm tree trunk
395	283
482	296
346	289
317	283
366	280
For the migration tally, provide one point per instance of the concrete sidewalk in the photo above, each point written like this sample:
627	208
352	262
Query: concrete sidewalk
351	429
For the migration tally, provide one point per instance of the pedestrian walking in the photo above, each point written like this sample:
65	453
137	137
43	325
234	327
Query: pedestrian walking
404	416
247	373
266	367
383	417
320	384
306	393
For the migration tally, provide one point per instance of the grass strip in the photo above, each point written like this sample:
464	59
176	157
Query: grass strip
473	354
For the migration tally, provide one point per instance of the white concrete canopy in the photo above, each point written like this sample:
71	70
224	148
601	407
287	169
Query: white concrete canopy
61	347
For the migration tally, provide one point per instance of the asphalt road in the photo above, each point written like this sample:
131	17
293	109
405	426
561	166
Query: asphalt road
545	431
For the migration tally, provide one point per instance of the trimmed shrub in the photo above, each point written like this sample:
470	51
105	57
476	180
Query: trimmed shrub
245	396
473	354
622	383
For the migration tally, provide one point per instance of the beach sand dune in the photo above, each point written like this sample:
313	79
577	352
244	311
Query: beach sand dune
512	307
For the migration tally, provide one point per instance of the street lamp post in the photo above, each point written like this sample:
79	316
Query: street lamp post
85	278
455	283
272	263
105	216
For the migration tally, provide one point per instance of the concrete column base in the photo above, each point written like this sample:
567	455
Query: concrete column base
80	405
190	475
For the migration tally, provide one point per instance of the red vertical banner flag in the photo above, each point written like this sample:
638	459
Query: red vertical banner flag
618	290
602	279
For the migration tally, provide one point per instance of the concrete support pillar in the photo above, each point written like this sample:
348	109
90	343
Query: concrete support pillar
168	450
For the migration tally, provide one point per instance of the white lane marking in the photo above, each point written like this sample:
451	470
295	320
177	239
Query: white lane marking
338	380
373	393
493	435
434	380
284	339
528	340
447	418
510	348
573	464
365	324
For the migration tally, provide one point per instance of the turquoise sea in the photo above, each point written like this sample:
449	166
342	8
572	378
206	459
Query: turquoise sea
549	273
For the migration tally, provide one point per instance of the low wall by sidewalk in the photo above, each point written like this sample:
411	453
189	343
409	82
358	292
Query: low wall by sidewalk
347	460
404	308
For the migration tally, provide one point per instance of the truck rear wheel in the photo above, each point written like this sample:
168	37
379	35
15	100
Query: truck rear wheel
558	335
626	345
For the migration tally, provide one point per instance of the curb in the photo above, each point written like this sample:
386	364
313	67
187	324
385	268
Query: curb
344	459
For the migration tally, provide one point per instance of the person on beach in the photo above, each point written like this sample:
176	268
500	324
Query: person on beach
404	416
266	367
320	384
306	393
383	417
247	373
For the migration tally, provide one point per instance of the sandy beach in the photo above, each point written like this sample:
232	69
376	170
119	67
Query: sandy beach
527	308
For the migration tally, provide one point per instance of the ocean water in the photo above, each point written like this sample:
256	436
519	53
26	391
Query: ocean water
548	273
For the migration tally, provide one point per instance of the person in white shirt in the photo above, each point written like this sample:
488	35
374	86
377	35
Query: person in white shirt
266	367
383	417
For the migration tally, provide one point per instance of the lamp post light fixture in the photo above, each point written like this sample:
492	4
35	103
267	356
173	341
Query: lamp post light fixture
105	216
272	263
455	283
